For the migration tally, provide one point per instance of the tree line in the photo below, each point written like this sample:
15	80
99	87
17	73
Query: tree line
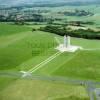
80	33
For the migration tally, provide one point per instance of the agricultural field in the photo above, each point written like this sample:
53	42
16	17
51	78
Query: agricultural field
95	9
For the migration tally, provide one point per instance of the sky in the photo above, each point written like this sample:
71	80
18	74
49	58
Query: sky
16	2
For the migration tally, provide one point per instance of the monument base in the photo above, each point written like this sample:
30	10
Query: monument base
70	48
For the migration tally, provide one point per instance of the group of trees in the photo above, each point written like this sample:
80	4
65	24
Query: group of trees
88	34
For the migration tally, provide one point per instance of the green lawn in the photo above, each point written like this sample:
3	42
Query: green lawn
79	65
22	50
23	47
85	65
6	29
21	89
27	49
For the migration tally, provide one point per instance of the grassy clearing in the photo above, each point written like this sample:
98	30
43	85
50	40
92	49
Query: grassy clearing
6	29
21	51
17	49
5	82
79	65
24	50
42	90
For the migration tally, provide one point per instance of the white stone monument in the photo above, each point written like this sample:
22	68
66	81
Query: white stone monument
66	41
66	46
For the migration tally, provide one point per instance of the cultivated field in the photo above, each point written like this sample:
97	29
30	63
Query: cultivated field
95	9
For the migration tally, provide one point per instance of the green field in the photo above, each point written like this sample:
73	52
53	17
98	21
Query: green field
20	89
21	50
6	29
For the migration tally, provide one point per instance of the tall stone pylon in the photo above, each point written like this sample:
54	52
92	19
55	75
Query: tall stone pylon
68	41
65	41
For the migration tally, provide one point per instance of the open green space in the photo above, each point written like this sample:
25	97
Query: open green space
22	89
6	29
21	50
